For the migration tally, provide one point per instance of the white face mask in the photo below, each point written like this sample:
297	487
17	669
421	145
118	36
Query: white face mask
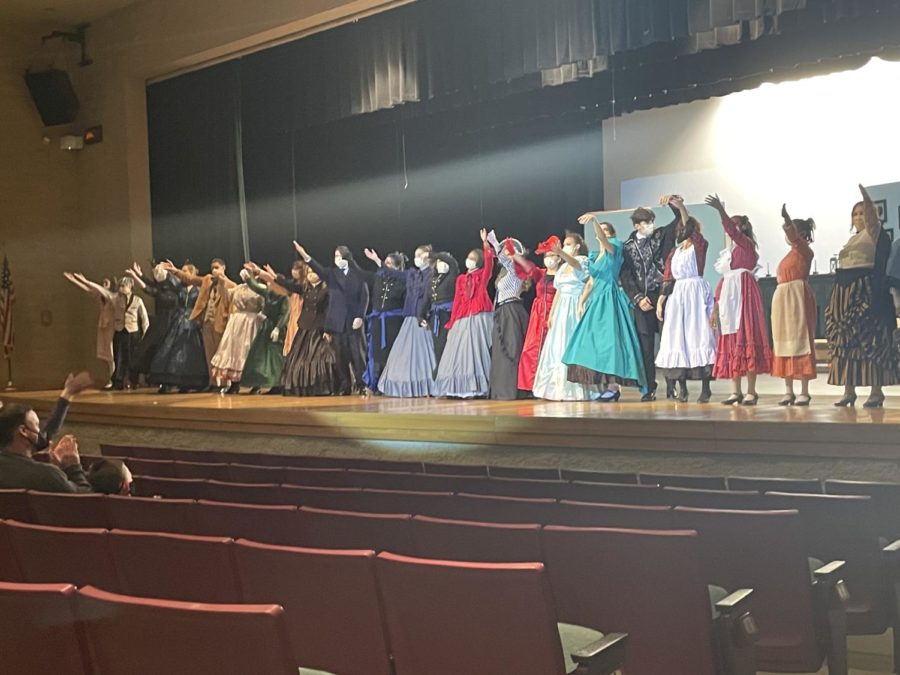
442	267
340	263
646	229
471	264
159	274
551	262
569	249
420	262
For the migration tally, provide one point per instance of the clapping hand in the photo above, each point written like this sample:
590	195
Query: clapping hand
65	452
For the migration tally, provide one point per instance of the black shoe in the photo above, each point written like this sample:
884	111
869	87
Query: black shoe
235	388
648	397
874	402
847	400
255	391
704	396
734	399
750	400
789	399
274	391
802	401
612	398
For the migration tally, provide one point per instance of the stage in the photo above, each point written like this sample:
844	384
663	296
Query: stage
820	440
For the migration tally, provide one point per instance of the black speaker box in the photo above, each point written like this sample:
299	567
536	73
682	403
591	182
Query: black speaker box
53	95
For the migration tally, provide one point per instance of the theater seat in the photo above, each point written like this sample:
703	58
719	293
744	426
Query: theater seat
885	501
495	509
650	584
51	555
338	498
14	506
172	488
246	493
331	603
441	539
141	636
806	485
267	524
530	472
714	499
38	631
68	510
160	468
402	501
9	564
801	619
588	514
683	481
455	469
598	476
175	566
323	528
447	618
145	514
612	493
247	473
203	470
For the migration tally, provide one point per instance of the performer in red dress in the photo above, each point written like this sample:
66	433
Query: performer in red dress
544	290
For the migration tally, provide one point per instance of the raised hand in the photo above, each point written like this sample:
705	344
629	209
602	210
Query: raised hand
715	202
77	383
784	213
676	200
372	255
300	251
268	270
585	218
484	234
136	269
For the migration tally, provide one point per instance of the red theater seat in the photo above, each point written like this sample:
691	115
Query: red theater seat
148	637
175	566
683	481
268	524
585	475
315	477
323	528
138	451
68	510
800	620
494	509
478	618
14	506
402	501
612	493
885	501
172	488
51	555
714	499
247	473
649	584
339	499
38	632
203	470
805	485
9	564
529	472
160	468
456	469
246	493
441	539
587	514
331	603
451	483
381	480
145	514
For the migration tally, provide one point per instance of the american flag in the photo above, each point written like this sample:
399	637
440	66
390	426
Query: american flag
7	300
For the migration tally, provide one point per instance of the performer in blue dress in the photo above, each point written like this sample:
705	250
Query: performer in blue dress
604	349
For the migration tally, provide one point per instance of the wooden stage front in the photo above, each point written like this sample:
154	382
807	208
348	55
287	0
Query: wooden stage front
766	439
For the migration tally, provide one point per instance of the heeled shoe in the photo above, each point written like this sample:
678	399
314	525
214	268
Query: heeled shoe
648	397
789	399
683	396
255	391
803	401
750	400
734	399
704	397
613	396
847	400
874	402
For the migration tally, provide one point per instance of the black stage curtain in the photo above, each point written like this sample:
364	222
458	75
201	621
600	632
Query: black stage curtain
193	167
462	129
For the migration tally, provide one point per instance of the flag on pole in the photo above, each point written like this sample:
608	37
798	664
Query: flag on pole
7	300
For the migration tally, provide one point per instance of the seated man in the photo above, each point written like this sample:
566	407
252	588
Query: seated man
21	436
110	476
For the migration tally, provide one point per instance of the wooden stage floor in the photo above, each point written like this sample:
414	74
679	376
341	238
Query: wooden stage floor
821	430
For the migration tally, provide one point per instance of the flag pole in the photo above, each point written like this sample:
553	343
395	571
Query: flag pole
9	383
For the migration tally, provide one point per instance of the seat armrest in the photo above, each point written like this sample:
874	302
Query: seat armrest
603	656
830	573
735	603
892	550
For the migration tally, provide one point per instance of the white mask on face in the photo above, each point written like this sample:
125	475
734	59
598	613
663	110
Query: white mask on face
340	263
551	262
420	262
159	273
471	264
442	267
646	229
569	249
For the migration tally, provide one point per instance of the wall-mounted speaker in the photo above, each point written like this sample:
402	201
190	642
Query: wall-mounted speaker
53	95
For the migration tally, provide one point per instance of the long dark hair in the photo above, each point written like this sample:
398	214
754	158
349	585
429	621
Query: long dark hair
347	255
746	228
805	228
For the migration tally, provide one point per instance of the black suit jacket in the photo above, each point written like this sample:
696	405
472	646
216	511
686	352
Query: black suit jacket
348	296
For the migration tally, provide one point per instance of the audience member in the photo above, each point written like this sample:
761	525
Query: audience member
110	476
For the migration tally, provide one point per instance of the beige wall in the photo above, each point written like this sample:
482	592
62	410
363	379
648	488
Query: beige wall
91	210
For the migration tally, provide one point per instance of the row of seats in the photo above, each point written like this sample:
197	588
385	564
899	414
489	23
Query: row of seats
344	611
401	533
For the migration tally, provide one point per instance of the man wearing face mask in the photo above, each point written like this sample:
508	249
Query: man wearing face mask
21	436
645	253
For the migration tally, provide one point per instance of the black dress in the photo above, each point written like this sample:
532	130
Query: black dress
180	360
440	302
384	321
165	296
309	369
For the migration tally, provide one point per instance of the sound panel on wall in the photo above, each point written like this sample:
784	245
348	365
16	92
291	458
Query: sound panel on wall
53	96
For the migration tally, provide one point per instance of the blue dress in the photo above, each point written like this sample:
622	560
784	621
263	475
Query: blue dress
604	347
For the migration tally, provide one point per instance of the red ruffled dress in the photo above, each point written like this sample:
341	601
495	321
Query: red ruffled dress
544	291
747	349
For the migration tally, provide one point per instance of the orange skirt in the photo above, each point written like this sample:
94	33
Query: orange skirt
800	367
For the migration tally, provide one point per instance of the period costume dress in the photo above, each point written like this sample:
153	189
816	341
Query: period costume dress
605	348
309	368
465	368
794	314
165	305
860	317
106	325
244	321
743	343
180	360
440	302
265	360
535	336
510	325
551	376
410	367
687	348
384	320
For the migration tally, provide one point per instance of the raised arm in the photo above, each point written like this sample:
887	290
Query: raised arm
570	260
77	282
873	224
185	277
139	281
94	288
732	230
